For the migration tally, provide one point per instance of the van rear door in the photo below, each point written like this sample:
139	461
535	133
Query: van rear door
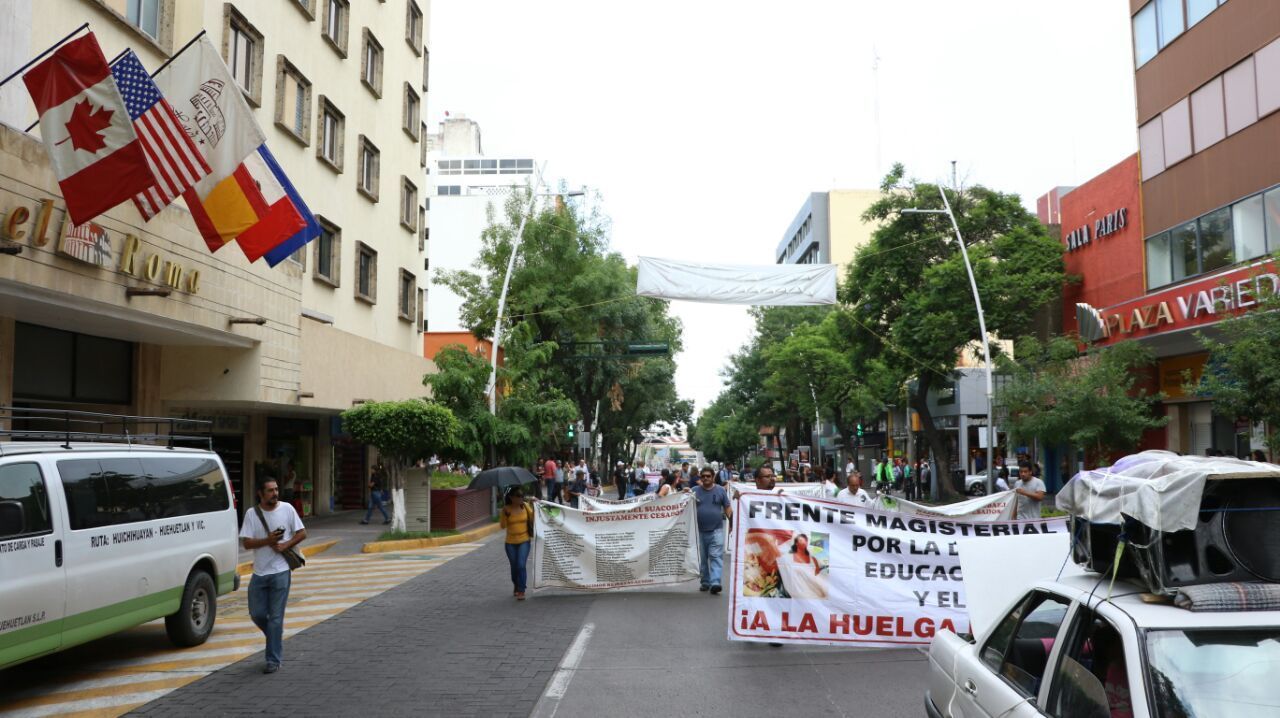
33	585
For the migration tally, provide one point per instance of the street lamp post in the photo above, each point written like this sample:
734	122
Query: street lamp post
982	330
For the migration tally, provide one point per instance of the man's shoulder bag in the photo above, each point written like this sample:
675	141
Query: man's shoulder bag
292	556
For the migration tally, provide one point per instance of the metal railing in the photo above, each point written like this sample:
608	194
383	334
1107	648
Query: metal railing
66	426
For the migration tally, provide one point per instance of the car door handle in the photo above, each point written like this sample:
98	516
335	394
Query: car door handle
57	553
969	687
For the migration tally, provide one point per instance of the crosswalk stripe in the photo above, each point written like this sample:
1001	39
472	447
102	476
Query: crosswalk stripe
112	687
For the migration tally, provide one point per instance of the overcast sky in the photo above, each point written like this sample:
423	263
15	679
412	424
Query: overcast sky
704	124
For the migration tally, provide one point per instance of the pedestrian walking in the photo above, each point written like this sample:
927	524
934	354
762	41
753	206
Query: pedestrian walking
272	528
376	496
713	509
577	487
849	468
829	488
517	519
883	477
926	477
724	476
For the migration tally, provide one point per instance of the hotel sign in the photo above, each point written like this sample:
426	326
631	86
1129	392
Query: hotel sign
93	244
1102	227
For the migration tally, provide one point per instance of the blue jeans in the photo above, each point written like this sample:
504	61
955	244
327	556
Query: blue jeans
267	598
518	556
712	543
375	502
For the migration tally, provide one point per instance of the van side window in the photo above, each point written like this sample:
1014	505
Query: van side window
106	492
24	502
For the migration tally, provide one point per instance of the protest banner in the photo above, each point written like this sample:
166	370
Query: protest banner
595	503
650	542
812	570
800	489
996	507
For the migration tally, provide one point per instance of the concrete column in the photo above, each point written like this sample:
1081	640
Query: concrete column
1175	434
146	380
7	347
255	450
324	469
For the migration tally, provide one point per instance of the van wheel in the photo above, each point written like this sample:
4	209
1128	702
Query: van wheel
193	622
978	490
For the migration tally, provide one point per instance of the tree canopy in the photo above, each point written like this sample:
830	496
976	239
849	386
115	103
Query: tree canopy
1242	374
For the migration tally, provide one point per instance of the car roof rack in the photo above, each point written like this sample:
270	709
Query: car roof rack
20	424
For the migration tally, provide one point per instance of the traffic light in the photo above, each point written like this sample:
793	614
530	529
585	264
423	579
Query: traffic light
859	430
572	428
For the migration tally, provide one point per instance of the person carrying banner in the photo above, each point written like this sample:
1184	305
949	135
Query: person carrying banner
1030	491
713	509
854	493
765	480
517	519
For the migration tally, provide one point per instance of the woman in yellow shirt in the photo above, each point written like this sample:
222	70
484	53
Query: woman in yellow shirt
517	519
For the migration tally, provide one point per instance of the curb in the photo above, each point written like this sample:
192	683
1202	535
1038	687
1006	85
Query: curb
307	551
409	544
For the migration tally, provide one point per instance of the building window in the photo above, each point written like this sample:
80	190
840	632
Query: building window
332	128
1176	122
1159	261
422	311
299	258
242	50
413	28
335	24
1240	95
371	64
1146	38
366	273
57	365
408	205
412	117
1272	206
422	228
308	8
293	101
426	67
1217	246
328	248
1208	115
1198	10
449	167
1170	17
142	14
1249	228
448	190
423	144
408	292
369	166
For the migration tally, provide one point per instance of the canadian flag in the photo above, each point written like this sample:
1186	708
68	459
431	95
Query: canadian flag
87	130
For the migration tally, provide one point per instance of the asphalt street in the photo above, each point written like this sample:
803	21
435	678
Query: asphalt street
453	642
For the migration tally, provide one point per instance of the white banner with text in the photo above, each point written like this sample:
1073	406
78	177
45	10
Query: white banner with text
996	507
651	542
810	570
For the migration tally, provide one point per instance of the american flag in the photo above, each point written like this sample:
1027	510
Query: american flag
174	159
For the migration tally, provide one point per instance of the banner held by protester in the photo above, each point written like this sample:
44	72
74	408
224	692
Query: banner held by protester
810	570
647	544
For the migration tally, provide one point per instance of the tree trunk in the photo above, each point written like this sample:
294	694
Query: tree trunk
396	469
919	401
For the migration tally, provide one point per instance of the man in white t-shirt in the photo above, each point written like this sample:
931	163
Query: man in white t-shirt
1030	492
854	493
269	587
849	468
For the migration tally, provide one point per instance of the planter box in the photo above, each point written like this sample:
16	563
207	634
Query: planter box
459	509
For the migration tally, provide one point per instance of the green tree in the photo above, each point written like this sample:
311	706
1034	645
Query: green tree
1242	374
909	293
571	297
722	433
403	432
1093	401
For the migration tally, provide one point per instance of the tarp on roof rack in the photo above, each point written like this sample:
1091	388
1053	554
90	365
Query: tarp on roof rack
1158	488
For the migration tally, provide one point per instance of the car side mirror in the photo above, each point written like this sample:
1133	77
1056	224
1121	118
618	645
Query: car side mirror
13	520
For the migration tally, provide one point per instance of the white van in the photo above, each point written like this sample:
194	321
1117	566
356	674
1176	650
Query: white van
96	538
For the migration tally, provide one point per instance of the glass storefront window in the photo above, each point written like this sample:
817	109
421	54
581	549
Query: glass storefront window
1217	249
1248	228
1182	244
1159	263
1272	207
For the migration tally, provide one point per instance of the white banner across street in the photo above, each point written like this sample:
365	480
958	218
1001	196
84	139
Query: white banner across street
996	507
647	543
595	503
760	285
810	570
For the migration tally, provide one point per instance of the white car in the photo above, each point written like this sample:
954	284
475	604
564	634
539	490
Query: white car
1063	650
976	484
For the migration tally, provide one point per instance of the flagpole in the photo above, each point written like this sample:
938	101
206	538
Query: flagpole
181	50
42	55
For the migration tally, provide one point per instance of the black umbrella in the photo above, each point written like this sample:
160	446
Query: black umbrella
501	478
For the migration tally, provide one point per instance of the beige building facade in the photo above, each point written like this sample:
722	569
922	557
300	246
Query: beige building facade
147	321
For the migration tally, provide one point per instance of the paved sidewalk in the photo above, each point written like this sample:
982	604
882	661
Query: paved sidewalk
344	526
452	642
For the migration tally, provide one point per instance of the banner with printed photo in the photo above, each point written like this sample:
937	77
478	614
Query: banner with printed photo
810	570
649	543
996	507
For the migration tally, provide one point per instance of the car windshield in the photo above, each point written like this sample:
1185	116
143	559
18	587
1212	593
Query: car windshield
1229	672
